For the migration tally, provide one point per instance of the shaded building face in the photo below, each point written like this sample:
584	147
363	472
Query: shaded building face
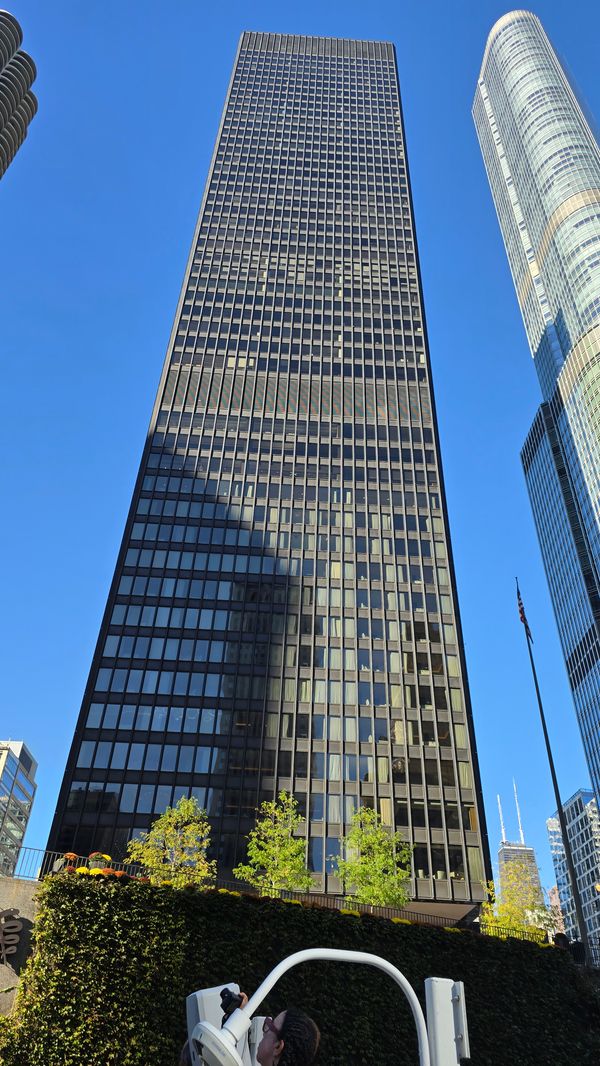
283	613
18	104
543	164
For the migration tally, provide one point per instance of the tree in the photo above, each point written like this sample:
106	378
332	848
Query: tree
276	857
520	904
174	850
376	863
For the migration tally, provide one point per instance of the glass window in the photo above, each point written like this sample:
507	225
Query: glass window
152	757
332	851
186	760
190	724
86	752
163	798
145	799
202	762
169	757
127	800
318	766
102	754
119	756
334	769
159	719
315	854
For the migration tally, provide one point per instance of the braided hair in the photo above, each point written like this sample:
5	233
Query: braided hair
300	1038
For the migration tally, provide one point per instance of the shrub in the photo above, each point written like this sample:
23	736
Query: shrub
114	961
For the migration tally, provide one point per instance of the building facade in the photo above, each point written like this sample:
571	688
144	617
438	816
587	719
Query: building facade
18	104
283	613
583	829
510	852
17	792
543	165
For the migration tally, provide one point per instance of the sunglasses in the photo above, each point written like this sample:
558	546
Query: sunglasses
270	1027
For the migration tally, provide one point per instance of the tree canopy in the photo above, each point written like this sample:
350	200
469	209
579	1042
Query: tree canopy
520	904
275	856
175	849
375	866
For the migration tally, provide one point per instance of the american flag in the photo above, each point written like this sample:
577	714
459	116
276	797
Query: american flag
522	614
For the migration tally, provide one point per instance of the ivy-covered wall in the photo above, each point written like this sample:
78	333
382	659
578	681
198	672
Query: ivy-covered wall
114	963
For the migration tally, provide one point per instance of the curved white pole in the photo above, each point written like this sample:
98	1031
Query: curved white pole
239	1022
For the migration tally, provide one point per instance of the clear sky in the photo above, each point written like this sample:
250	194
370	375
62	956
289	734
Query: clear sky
97	213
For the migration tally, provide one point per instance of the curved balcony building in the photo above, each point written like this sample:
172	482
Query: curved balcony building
18	104
543	163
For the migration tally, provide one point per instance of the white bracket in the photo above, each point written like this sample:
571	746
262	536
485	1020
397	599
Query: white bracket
447	1021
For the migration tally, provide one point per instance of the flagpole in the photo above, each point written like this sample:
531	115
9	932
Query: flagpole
561	814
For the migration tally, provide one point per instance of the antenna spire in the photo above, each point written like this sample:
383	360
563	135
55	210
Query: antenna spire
521	835
502	829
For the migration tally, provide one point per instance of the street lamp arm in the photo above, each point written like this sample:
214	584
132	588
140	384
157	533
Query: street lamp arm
239	1022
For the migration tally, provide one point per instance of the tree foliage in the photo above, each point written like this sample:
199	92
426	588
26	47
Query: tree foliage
174	850
376	864
275	856
519	905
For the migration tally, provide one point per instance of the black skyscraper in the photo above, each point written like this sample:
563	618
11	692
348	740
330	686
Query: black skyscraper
283	612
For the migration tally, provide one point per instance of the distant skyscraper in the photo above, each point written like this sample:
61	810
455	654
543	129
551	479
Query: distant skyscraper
583	829
510	852
554	904
284	613
543	164
17	791
18	105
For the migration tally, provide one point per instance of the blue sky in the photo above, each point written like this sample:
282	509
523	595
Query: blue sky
97	213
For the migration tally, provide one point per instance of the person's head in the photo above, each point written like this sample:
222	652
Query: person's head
290	1039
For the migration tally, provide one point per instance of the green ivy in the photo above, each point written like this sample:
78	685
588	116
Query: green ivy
113	963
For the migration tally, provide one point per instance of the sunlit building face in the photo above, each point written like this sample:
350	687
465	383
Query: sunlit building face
543	164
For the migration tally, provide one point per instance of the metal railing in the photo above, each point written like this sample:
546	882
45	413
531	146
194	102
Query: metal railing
536	936
34	864
332	902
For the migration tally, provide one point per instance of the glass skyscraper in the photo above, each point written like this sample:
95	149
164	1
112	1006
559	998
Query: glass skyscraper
283	613
583	829
17	793
543	164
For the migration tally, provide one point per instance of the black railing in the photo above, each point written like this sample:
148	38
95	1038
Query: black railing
33	864
332	902
537	936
